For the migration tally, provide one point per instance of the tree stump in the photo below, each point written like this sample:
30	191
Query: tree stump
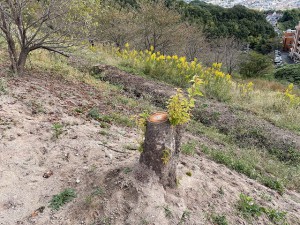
161	148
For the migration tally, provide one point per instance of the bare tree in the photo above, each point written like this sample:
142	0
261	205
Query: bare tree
28	25
159	26
194	43
116	24
232	52
226	50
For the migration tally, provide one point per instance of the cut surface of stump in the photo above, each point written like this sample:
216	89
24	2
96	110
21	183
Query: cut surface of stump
161	148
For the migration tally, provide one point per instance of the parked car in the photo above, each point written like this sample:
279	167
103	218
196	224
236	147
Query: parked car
278	59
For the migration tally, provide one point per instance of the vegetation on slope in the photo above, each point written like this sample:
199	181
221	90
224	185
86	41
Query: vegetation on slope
289	19
254	162
217	22
244	24
279	107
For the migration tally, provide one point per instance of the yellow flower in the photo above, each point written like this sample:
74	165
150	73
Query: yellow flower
219	74
153	56
126	45
193	64
182	59
217	66
161	57
228	78
175	57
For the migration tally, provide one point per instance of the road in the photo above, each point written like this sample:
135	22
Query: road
285	58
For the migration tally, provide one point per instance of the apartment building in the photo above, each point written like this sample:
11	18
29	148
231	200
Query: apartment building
288	40
295	50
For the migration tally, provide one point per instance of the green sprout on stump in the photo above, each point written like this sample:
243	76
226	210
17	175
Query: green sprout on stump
180	106
166	155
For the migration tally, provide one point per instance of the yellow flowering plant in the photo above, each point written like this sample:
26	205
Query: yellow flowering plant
293	100
180	106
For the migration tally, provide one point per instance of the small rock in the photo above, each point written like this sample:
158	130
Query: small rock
109	155
48	174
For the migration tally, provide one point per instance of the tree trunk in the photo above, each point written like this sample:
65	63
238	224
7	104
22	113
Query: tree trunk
161	148
12	53
21	61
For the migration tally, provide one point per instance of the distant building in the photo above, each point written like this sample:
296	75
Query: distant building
295	49
288	40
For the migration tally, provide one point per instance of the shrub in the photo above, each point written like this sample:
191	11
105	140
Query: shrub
62	198
219	219
290	73
189	148
255	65
178	71
3	86
249	208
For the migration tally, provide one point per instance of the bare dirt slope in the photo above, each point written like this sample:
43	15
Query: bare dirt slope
111	187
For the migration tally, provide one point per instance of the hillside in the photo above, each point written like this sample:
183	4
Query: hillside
62	119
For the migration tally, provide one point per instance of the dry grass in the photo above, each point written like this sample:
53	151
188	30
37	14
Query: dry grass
273	107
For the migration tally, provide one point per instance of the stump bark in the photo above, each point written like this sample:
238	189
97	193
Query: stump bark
161	148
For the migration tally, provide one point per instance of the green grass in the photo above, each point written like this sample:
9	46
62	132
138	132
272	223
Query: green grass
249	209
62	198
259	164
97	192
219	219
185	216
188	148
57	129
168	212
246	165
116	118
103	132
3	86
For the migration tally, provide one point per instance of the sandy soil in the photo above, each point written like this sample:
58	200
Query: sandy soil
111	187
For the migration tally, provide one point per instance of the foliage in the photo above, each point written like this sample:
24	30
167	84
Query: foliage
249	208
246	167
292	99
278	217
255	65
166	155
219	219
31	25
168	212
179	107
176	70
3	86
140	23
113	117
94	113
141	121
62	198
237	21
290	73
245	89
188	148
185	215
290	19
58	129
